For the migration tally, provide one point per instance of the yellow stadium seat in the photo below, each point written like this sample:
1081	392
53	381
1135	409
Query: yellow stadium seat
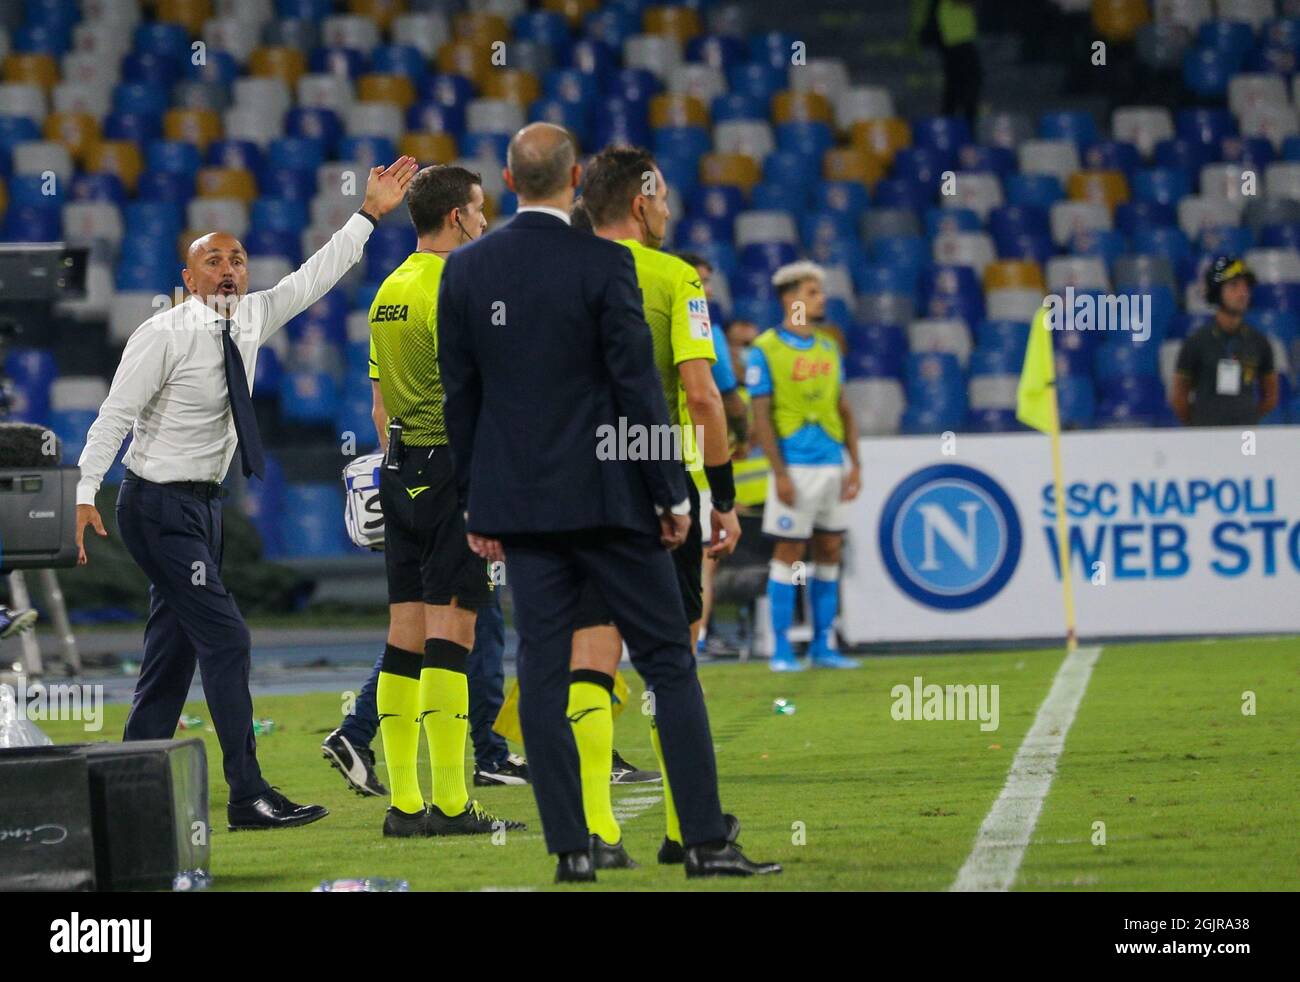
1119	20
429	148
491	206
514	85
397	89
801	107
227	182
676	109
730	168
1106	187
381	12
468	58
1013	274
197	126
40	70
482	27
286	64
4	197
79	132
682	23
882	137
190	14
575	10
120	157
853	164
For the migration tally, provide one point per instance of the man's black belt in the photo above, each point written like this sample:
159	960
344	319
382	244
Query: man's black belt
207	490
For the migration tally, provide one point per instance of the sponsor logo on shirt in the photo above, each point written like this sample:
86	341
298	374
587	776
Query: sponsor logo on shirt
697	308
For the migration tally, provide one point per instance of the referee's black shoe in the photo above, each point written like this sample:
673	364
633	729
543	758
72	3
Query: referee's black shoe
271	810
474	820
356	764
605	856
671	853
724	859
404	825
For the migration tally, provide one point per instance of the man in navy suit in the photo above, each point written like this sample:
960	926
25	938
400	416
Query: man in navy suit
545	354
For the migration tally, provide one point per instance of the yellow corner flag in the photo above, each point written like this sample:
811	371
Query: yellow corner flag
1036	406
1036	395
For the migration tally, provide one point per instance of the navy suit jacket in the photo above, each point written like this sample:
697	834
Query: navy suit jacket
542	345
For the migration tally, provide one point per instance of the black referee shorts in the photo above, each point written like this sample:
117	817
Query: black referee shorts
425	551
688	559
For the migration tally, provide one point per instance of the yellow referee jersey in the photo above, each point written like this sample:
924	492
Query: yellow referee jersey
678	315
404	348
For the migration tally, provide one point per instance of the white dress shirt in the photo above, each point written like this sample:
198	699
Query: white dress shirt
170	387
547	210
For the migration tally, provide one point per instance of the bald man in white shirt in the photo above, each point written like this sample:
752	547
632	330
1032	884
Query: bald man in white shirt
183	389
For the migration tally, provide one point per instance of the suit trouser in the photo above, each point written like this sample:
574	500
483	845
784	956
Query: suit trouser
636	578
176	538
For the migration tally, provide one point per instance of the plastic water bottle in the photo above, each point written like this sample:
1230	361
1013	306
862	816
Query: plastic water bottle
189	723
263	727
188	880
363	886
783	707
15	729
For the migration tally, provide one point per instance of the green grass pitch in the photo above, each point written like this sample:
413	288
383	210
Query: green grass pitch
1193	793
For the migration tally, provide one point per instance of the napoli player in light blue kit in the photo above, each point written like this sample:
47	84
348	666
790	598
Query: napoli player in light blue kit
807	430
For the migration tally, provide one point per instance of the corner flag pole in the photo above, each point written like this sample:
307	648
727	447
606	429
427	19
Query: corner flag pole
1062	533
1037	406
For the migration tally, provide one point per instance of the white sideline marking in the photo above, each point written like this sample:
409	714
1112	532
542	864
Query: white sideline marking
1001	841
629	807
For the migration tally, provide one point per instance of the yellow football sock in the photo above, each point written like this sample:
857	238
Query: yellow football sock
444	709
593	729
397	700
674	831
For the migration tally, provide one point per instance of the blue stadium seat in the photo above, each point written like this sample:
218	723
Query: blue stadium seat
1077	126
719	50
1285	235
71	427
138	97
943	134
901	192
1232	39
811	139
572	85
1077	401
1276	296
731	106
717	201
694	230
995	160
1206	72
1162	241
1132	215
772	48
680	170
1106	243
311	523
996	361
170	41
1112	155
952	291
922	165
689	141
757	79
153	219
285	182
575	116
907	251
436	117
237	154
308	397
1282	324
98	187
32	223
846	196
17	129
780	196
299	153
1181	153
1132	400
136	126
1120	356
274	242
347	62
218	67
890	277
763	311
992	421
766	257
47	38
921	419
635	85
546	27
1226	240
398	59
612	25
939	220
446	90
314	123
164	185
621	121
594	57
267	375
1039	190
151	68
824	226
173	156
1249	151
1206	126
375	150
791	167
1183	324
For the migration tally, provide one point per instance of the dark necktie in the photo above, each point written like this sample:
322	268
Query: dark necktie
241	407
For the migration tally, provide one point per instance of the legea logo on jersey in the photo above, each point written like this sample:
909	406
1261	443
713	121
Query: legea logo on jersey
949	537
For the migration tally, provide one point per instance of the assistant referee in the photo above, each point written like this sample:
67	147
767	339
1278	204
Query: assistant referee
435	583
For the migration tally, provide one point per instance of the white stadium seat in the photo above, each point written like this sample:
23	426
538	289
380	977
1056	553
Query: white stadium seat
493	116
1012	305
1274	265
1226	181
1190	14
24	99
1069	218
375	119
993	391
1080	272
1198	211
877	404
829	76
946	334
704	82
654	52
266	271
749	137
1142	126
1251	89
128	310
87	68
325	91
40	157
238	37
349	31
977	190
1004	128
765	226
974	249
1282	180
863	102
1253	12
85	222
227	214
1057	157
1274	123
82	97
260	127
264	94
426	31
78	392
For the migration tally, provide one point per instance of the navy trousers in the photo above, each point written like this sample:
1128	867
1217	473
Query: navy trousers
176	538
487	678
638	582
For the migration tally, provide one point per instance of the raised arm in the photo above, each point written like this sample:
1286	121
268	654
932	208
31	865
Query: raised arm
313	279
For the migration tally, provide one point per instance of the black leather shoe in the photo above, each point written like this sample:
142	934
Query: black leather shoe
724	860
403	825
605	856
672	854
575	867
271	810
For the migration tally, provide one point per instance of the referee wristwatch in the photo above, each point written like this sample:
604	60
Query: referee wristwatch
682	507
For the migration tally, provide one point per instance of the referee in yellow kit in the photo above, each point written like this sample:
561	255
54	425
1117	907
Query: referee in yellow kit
435	583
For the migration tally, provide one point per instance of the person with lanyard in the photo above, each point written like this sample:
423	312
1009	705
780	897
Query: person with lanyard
436	585
806	427
184	390
1225	374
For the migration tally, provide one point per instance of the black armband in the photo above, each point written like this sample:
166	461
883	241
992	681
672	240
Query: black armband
722	486
368	217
